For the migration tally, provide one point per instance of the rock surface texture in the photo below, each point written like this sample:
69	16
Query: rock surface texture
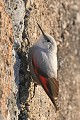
7	99
18	28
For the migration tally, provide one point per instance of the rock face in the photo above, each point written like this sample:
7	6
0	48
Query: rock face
6	68
59	18
9	66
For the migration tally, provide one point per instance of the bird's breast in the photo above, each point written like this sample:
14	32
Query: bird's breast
53	65
50	63
46	61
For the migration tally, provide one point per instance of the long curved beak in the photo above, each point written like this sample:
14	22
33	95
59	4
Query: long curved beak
41	29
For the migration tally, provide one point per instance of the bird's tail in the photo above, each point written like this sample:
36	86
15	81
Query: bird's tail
55	103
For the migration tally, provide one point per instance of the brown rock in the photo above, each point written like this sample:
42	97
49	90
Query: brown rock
6	42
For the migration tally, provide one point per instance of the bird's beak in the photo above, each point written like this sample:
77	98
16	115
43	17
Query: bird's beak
59	42
41	29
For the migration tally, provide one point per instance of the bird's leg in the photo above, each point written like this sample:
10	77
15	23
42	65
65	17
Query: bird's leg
35	85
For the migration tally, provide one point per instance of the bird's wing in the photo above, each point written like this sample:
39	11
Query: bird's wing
50	85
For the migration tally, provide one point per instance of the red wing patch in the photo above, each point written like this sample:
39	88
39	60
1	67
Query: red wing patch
42	79
44	82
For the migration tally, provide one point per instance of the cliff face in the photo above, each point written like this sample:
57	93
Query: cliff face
9	66
61	19
6	68
18	27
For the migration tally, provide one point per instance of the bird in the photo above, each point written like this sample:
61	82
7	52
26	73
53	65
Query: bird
43	65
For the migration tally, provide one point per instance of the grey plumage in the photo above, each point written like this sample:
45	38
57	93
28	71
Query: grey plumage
43	65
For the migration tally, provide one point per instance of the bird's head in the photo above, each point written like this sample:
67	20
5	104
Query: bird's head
46	42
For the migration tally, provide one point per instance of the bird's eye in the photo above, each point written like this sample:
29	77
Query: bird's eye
48	40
